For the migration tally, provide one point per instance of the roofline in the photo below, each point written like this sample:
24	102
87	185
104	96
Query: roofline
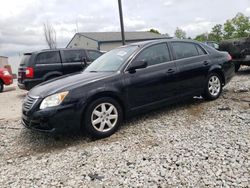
3	56
133	40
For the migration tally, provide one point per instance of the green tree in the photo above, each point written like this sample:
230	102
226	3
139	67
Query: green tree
202	37
216	33
241	24
180	34
229	30
154	31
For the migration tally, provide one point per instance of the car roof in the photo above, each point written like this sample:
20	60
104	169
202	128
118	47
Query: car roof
150	42
53	50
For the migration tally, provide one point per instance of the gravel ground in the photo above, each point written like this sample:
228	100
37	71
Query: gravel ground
190	144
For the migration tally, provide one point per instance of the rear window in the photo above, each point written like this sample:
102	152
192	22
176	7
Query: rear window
48	57
93	55
25	59
184	50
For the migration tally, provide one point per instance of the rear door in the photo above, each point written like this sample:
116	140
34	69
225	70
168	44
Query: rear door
47	63
73	60
193	63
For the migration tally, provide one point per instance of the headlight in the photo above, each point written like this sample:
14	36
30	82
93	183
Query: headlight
53	100
6	73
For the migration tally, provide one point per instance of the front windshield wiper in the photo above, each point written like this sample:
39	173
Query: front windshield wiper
92	71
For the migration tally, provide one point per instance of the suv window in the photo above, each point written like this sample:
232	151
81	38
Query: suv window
93	55
154	55
184	49
73	55
48	57
200	50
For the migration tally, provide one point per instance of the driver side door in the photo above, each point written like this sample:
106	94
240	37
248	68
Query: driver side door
155	83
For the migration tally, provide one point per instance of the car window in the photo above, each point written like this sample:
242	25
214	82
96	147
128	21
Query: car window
48	57
154	55
201	51
73	56
184	49
25	59
93	55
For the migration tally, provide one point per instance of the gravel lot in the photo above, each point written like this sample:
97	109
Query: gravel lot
191	144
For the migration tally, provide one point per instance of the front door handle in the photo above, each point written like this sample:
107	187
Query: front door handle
170	71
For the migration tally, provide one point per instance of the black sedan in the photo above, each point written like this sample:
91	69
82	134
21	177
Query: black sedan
125	81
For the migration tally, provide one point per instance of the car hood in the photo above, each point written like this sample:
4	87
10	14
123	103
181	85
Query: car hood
67	83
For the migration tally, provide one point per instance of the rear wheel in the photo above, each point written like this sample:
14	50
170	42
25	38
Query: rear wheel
103	117
1	86
213	87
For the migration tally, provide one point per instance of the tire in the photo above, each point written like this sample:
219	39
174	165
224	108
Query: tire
105	125
237	67
1	86
213	87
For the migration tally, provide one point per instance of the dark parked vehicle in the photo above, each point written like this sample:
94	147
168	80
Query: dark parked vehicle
125	81
239	49
44	65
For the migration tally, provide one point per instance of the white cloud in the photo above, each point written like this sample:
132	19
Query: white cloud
168	3
248	9
198	27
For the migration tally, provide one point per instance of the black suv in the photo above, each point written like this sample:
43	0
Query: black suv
40	66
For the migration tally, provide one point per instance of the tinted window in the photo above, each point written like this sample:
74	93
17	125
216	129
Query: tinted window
48	57
154	55
73	55
25	59
200	50
184	50
93	55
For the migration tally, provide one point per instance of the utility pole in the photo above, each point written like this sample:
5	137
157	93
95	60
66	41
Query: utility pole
121	21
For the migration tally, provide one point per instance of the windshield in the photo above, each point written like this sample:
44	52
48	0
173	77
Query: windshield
112	60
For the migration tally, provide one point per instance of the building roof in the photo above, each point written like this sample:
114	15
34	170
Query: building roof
3	56
116	36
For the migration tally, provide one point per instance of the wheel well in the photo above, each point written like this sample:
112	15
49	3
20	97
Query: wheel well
52	76
220	73
1	81
107	94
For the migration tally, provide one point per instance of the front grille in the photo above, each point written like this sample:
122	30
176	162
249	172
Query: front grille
29	102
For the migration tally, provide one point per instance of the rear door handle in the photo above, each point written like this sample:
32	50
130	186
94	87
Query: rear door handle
205	62
170	71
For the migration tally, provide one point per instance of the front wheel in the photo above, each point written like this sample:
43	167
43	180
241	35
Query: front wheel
213	87
1	86
103	117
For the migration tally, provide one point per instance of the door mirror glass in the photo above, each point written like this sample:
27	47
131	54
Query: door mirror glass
137	65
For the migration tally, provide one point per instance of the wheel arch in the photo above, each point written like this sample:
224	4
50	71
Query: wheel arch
50	74
219	71
110	94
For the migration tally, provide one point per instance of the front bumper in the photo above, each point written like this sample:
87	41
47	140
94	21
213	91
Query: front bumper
59	119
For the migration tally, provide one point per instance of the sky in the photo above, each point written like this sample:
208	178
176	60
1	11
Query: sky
21	22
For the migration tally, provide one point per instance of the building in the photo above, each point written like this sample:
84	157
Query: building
106	41
3	61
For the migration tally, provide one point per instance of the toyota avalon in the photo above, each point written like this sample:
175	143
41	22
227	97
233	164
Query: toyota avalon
124	81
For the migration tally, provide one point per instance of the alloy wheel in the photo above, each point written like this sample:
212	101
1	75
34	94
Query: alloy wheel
104	117
214	85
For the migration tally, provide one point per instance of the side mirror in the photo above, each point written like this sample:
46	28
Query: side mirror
137	65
